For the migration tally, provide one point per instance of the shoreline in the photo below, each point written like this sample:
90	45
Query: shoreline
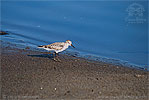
90	56
33	74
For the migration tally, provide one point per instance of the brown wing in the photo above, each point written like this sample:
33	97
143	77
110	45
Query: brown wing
56	46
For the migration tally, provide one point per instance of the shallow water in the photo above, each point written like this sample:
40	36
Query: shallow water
97	28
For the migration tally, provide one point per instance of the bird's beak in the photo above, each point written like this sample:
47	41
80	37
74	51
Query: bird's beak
72	46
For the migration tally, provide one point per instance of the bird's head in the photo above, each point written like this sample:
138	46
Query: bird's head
69	43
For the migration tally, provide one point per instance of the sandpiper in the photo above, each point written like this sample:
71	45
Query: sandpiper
57	47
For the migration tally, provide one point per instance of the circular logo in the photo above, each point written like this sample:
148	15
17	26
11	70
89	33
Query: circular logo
135	13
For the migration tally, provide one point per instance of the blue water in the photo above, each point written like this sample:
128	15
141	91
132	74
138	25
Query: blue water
98	28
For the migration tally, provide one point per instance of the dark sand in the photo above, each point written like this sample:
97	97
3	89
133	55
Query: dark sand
29	75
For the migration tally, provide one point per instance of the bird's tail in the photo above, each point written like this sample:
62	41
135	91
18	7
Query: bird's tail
41	46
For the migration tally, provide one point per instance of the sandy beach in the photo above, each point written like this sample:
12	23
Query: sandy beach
28	75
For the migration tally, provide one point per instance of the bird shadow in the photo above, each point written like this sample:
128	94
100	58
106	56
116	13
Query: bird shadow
50	56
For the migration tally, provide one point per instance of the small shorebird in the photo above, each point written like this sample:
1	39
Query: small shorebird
57	47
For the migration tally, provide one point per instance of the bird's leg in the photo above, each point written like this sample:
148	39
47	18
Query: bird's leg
55	55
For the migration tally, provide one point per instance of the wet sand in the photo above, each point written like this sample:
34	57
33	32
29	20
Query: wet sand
29	75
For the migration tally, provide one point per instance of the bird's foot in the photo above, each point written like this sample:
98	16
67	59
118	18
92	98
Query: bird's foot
57	60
